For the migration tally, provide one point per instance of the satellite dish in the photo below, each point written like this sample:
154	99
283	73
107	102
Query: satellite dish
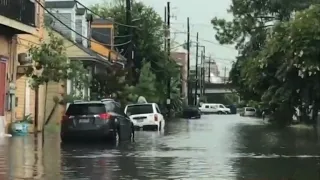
142	100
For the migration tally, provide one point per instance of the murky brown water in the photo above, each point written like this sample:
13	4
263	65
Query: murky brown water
214	147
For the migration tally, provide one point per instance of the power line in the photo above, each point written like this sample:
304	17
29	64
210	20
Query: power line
204	40
51	14
193	24
117	23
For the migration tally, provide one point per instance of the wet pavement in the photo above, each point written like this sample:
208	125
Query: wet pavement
215	147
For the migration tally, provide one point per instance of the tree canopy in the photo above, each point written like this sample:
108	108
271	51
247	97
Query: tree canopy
277	43
148	31
150	59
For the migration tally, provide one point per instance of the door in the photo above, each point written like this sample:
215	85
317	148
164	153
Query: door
2	87
206	109
213	108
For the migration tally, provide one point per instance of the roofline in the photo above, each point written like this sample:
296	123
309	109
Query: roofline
91	58
55	2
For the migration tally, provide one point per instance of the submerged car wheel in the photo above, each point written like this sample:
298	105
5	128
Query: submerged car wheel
116	135
132	134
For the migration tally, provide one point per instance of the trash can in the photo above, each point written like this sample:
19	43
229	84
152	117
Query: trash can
19	128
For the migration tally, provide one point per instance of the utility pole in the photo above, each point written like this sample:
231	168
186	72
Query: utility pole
209	74
188	59
201	74
169	54
225	74
202	69
129	46
165	29
196	84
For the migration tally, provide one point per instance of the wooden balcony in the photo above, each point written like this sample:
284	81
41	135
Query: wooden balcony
18	15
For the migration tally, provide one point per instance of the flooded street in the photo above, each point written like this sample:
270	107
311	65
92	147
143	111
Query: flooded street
226	147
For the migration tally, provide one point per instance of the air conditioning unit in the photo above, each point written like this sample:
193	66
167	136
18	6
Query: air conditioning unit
24	58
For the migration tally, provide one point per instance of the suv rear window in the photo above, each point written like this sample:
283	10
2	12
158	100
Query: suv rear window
86	109
250	109
139	109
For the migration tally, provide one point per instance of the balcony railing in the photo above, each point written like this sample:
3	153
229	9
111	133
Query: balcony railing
19	10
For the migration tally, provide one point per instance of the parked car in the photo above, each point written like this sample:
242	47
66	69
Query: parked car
211	108
147	115
233	109
191	112
94	120
248	111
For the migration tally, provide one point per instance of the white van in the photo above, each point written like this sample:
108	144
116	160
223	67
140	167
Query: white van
210	108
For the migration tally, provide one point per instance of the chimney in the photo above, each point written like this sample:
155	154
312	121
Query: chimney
82	26
103	31
65	11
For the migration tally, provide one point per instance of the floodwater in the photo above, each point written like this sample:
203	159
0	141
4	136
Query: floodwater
215	147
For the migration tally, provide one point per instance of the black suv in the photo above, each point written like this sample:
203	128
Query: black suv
191	112
96	120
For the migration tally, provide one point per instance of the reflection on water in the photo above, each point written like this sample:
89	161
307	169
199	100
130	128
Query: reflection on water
28	158
214	147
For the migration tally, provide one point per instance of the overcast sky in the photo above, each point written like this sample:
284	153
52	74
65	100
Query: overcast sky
200	12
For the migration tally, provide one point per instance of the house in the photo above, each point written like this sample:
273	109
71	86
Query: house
18	20
86	40
95	34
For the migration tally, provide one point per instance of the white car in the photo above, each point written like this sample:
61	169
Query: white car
248	111
207	108
145	115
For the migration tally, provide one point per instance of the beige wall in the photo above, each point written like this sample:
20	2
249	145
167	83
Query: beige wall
25	41
11	47
8	48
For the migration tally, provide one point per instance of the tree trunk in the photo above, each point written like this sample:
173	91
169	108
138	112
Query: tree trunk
45	106
36	109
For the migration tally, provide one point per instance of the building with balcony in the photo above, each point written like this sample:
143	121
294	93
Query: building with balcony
85	39
19	19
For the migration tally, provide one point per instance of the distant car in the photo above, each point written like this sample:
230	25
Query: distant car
191	112
248	111
95	120
146	115
212	108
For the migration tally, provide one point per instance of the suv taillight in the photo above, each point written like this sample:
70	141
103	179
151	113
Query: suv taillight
156	117
65	118
105	116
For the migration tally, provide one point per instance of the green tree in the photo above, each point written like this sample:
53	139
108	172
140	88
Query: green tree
249	30
112	82
293	48
51	64
147	36
147	84
147	39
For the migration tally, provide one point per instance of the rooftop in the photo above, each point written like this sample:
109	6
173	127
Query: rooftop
60	4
